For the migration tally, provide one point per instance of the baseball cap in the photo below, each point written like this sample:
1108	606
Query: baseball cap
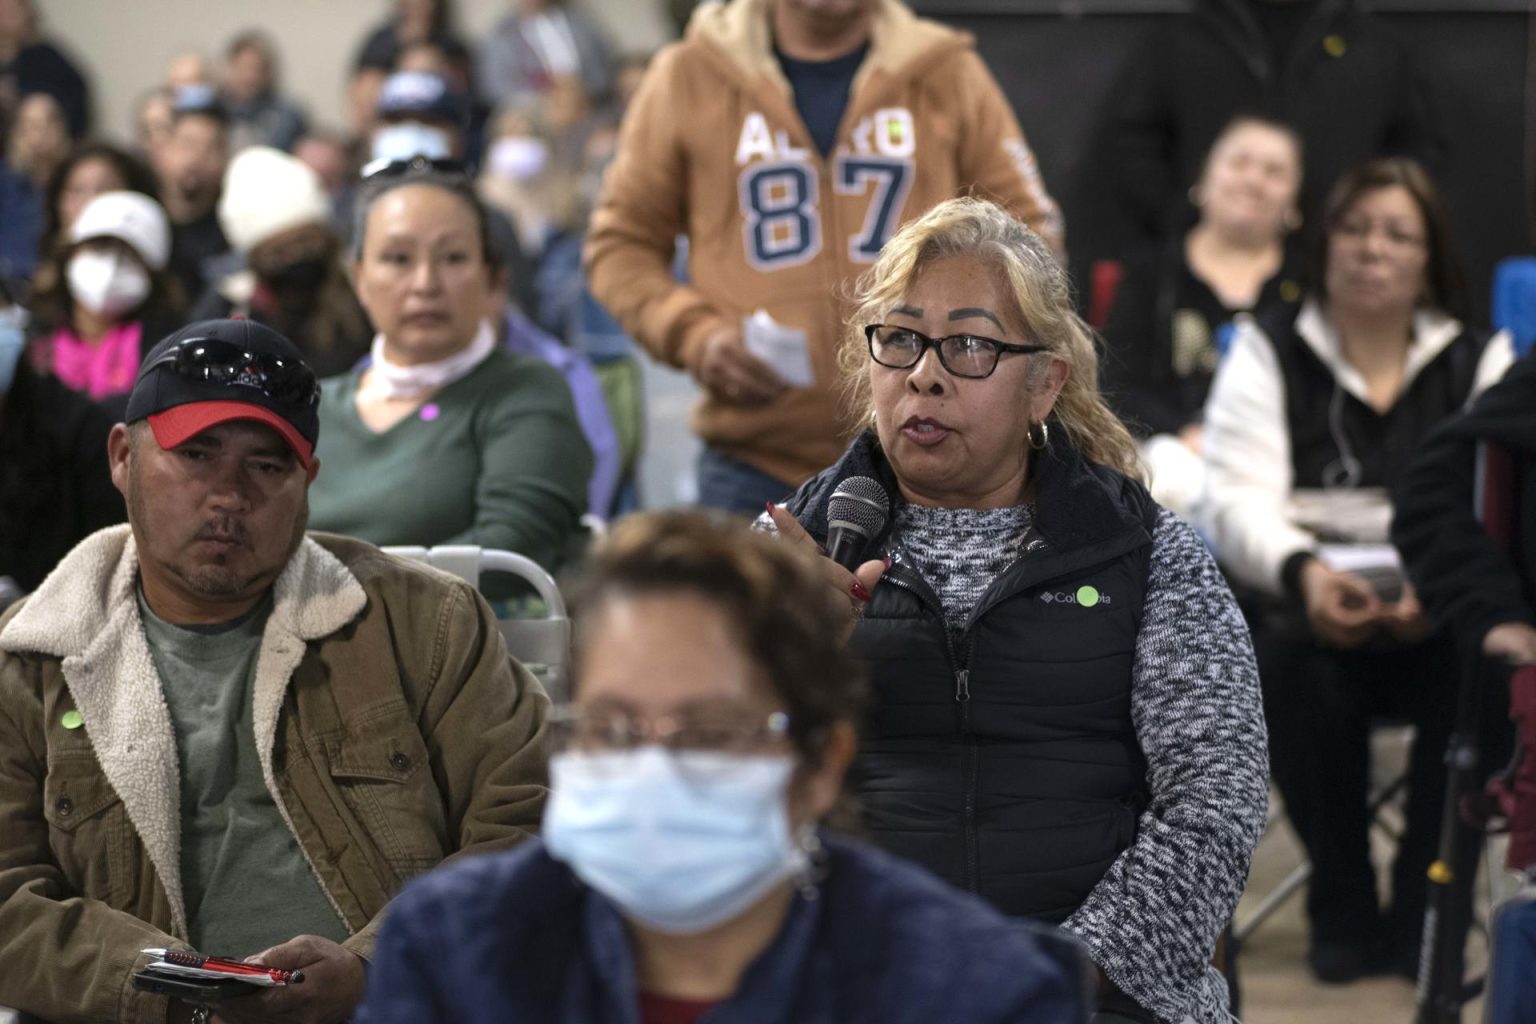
130	216
421	95
197	100
216	371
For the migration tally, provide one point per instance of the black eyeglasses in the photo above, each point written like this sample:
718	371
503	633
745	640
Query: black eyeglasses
211	360
385	167
964	355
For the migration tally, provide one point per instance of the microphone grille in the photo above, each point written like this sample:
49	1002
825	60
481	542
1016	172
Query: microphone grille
859	504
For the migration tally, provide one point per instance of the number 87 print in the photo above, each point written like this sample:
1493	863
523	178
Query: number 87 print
782	224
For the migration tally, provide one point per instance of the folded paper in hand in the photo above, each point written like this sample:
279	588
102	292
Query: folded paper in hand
780	346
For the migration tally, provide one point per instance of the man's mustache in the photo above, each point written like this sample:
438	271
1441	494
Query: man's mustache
229	531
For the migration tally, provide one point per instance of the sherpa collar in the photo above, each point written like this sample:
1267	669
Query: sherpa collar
86	614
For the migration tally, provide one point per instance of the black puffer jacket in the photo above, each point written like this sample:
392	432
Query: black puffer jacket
1007	761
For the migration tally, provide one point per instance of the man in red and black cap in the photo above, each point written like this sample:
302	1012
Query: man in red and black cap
220	733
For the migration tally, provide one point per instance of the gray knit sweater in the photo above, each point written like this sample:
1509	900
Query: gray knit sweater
1152	921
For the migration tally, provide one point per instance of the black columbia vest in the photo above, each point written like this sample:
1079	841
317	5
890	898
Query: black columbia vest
1007	763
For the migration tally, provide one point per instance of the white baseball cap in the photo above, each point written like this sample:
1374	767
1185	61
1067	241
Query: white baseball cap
131	217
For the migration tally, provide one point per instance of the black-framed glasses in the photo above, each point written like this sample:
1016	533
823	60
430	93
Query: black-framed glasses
215	361
718	731
964	355
386	167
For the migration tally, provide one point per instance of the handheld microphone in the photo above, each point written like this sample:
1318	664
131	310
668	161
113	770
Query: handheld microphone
856	512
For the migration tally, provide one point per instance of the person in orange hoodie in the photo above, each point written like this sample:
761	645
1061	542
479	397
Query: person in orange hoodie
788	139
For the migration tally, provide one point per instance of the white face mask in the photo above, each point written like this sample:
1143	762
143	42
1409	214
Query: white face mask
107	283
519	157
681	842
403	141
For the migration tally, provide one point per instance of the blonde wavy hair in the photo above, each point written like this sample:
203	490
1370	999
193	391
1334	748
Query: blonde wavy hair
1042	297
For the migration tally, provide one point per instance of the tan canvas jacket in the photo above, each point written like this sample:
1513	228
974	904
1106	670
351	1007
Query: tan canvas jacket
713	148
392	728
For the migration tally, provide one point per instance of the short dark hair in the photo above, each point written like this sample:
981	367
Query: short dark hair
136	176
251	39
1444	279
782	610
1263	120
377	186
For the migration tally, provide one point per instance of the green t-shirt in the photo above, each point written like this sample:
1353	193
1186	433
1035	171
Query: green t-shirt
496	458
246	883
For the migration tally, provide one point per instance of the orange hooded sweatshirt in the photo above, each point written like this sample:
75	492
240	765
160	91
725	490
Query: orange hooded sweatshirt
713	148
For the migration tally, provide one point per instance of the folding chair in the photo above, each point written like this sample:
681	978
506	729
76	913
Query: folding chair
541	645
1296	881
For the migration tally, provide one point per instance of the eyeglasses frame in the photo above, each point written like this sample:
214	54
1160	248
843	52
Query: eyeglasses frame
999	349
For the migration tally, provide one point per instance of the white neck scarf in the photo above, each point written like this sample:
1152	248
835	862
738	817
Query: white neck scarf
391	380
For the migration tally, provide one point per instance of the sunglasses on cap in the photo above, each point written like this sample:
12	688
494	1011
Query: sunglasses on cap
214	361
389	168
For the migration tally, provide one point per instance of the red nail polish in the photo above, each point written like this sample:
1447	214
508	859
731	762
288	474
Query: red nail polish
859	592
769	506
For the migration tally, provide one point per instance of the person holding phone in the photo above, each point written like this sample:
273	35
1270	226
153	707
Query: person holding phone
1312	418
219	731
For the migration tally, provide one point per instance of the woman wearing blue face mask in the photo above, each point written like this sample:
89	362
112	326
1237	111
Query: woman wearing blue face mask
681	877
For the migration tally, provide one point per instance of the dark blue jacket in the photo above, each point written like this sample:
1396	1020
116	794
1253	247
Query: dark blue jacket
515	937
21	229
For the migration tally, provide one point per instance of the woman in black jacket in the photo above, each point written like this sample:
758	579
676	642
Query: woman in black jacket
55	488
1175	309
1066	716
1486	594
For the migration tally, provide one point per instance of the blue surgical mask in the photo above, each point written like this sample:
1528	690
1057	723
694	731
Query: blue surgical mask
13	340
680	842
411	138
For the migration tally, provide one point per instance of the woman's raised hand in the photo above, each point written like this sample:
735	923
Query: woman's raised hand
857	586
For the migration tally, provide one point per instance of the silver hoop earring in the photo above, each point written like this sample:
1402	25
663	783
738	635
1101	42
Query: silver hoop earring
1045	435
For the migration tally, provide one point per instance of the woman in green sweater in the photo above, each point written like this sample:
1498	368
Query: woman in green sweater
442	438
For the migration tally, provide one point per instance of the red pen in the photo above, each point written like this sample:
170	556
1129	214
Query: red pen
225	966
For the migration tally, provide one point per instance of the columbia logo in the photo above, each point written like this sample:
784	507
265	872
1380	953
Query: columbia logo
1084	596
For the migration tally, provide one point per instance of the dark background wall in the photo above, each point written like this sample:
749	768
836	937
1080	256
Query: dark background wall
1058	63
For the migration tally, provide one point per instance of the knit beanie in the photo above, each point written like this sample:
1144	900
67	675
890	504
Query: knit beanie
267	192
